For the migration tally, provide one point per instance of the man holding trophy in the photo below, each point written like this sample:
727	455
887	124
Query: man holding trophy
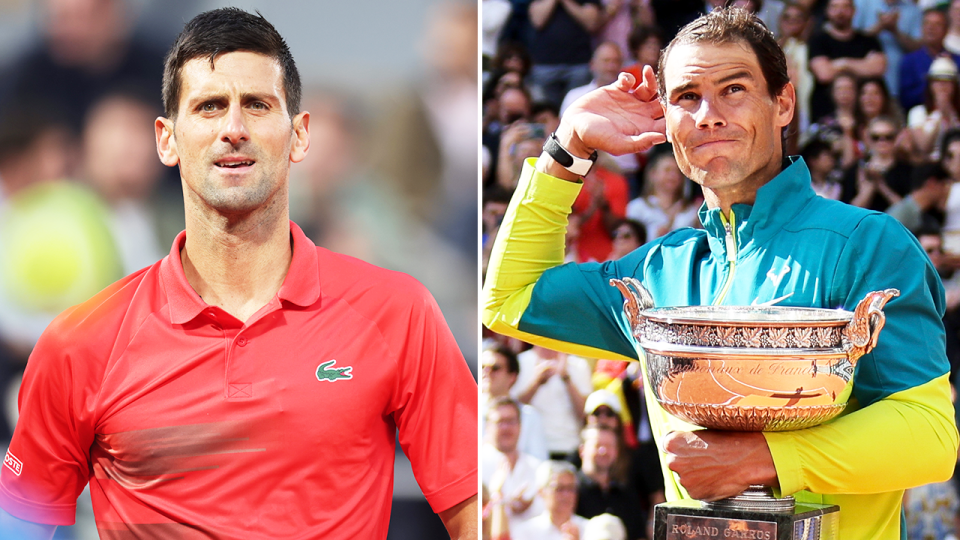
724	100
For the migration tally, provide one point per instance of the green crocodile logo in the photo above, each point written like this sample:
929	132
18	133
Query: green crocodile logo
326	372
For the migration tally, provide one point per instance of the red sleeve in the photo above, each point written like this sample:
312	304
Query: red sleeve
435	405
47	465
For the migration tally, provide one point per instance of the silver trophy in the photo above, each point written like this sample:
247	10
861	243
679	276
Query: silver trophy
751	368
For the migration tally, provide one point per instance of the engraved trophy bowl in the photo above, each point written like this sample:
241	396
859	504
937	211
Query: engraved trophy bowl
751	368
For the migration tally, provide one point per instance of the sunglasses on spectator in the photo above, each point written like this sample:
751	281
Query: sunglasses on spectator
888	137
603	411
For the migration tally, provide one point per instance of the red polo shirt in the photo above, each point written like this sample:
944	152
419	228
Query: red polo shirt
191	424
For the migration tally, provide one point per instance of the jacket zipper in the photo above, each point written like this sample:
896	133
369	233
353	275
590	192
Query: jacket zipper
730	241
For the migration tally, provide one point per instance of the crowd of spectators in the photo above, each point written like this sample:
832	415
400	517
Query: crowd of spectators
878	125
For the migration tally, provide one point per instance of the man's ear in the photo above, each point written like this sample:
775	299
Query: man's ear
787	100
301	141
166	142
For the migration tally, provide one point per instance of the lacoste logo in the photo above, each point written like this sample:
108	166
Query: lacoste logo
326	372
12	463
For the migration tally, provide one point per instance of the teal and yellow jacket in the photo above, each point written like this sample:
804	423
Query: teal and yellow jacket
790	248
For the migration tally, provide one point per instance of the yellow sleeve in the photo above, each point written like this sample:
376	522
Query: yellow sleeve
530	241
913	428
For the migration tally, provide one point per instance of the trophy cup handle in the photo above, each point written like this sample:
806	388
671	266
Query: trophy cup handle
861	334
636	298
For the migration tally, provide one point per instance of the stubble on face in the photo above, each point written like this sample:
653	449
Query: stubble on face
840	13
722	121
235	199
247	121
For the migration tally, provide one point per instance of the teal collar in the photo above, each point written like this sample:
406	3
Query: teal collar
778	202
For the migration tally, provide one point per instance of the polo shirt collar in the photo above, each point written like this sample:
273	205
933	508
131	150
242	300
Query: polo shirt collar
301	286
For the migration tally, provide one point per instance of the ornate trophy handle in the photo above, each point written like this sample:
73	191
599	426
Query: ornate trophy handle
636	298
861	333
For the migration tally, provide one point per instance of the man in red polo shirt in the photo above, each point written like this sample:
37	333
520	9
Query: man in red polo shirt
250	384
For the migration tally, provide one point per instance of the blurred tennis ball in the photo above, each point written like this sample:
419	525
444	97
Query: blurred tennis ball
56	249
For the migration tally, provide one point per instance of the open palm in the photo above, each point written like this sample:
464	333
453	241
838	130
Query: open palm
618	119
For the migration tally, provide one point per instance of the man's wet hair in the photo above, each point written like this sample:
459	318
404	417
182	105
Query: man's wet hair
225	30
733	25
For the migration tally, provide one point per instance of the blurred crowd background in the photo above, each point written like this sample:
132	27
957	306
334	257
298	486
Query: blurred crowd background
878	124
391	176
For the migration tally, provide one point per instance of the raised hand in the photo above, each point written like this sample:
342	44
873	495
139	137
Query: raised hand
544	370
500	477
569	531
620	118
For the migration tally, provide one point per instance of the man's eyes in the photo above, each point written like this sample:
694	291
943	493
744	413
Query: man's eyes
214	106
692	96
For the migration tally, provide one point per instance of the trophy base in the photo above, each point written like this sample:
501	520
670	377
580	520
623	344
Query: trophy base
688	519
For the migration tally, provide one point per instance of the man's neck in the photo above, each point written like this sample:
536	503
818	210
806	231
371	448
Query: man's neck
237	264
744	192
559	518
602	478
490	396
883	160
512	456
842	34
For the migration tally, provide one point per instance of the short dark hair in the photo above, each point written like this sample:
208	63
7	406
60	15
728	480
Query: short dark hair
926	171
814	148
513	365
227	30
513	48
504	401
890	108
734	25
538	107
952	134
641	34
639	231
934	9
496	193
